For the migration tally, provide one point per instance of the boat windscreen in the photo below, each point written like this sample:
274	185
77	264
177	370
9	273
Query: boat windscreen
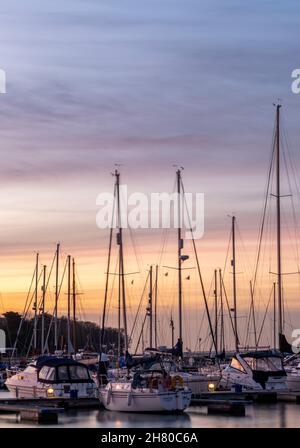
63	374
235	363
47	373
79	373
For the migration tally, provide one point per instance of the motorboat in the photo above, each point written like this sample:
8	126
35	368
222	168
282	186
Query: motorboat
52	377
257	370
293	377
149	391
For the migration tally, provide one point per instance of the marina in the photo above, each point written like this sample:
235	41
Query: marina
149	221
51	380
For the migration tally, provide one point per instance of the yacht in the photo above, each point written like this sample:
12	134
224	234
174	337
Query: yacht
258	370
51	377
293	377
148	391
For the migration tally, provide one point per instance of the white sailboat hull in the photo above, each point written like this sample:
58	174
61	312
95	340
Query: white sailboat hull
145	400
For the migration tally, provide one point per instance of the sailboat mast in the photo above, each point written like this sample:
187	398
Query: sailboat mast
35	306
278	220
74	303
43	310
69	306
121	262
274	314
222	340
119	314
155	306
180	247
150	309
216	308
233	263
56	297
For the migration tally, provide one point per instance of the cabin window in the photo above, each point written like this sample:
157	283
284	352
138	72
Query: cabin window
51	374
79	373
47	373
235	363
63	373
43	373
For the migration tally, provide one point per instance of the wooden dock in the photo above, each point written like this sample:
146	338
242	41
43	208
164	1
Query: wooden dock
262	396
65	403
45	410
37	413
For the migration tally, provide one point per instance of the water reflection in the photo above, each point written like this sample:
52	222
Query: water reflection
268	415
128	419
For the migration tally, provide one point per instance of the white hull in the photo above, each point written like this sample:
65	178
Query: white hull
26	391
40	391
144	400
230	380
54	378
293	382
260	370
26	386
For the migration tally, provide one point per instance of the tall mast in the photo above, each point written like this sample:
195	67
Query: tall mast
119	314
74	303
180	247
35	306
216	308
155	306
222	340
233	263
43	310
150	309
56	297
121	261
274	314
69	306
278	215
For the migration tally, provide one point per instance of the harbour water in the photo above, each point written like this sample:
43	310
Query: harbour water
277	415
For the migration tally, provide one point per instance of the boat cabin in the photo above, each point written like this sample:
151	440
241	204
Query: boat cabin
60	370
262	365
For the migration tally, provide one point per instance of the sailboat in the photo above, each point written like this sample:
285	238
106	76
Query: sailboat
142	391
264	369
198	382
172	358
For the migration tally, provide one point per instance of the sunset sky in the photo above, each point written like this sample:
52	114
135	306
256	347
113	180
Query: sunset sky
146	84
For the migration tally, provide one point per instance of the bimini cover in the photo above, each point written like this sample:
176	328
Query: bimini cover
52	361
261	354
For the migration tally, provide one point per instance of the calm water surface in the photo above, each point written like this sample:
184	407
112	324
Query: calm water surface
278	415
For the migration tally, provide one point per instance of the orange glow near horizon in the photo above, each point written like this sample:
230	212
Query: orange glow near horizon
17	270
